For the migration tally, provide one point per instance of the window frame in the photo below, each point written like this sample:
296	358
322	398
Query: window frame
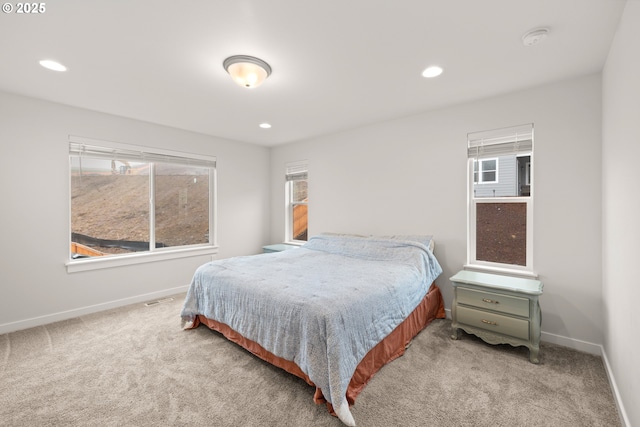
153	254
473	201
292	169
481	170
472	262
527	173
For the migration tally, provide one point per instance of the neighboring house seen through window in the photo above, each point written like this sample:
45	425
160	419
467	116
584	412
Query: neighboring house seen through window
297	199
485	171
129	199
500	229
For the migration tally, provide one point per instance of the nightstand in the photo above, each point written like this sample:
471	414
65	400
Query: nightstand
498	309
279	247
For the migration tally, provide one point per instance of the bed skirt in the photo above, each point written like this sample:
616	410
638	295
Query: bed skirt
390	348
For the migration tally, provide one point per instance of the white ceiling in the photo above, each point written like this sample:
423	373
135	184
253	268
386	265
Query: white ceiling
337	64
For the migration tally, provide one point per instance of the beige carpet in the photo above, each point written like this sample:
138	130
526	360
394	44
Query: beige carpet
134	366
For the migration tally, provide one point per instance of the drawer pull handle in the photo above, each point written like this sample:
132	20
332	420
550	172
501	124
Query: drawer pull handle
488	322
490	301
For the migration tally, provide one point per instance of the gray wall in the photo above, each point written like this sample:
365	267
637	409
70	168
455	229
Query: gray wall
409	176
35	287
621	211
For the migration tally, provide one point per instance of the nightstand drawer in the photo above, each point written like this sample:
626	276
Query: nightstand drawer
498	323
495	302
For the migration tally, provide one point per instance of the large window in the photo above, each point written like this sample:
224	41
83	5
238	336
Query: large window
129	199
500	228
297	197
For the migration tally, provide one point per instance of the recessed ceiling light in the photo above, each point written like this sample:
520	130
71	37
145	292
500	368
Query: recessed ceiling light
265	125
535	36
53	65
432	71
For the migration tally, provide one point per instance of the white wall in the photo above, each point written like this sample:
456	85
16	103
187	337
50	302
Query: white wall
621	210
409	176
35	287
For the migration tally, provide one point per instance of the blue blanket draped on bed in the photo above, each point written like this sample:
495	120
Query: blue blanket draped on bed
322	306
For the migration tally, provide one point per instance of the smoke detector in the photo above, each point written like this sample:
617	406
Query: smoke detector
535	36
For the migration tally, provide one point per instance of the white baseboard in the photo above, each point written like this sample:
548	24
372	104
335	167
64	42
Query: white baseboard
70	314
624	419
573	343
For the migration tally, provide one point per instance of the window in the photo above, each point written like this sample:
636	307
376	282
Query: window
129	200
500	225
485	171
297	198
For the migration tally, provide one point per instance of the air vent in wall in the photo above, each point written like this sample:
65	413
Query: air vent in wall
159	301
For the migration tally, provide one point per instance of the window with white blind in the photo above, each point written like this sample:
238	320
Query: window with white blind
297	199
500	184
130	200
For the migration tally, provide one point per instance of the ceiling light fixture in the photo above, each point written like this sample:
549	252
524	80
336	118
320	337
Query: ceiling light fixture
247	71
52	65
535	36
432	71
265	125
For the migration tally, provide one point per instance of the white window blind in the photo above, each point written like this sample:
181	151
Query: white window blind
493	143
113	151
296	171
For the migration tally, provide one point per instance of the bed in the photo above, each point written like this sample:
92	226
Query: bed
332	312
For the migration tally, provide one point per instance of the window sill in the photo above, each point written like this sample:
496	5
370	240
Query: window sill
501	270
96	263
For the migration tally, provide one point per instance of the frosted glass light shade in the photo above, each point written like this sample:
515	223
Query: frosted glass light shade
247	71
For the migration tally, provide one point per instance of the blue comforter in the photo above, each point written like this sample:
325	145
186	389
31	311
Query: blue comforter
322	306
